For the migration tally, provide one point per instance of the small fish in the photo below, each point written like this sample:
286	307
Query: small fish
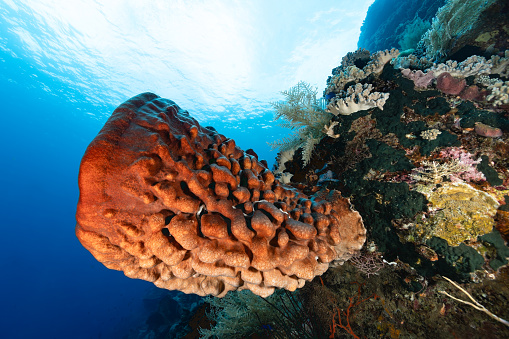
267	327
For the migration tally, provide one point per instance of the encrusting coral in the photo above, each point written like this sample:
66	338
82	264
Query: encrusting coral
168	201
461	213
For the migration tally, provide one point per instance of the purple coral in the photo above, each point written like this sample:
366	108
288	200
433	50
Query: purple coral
420	79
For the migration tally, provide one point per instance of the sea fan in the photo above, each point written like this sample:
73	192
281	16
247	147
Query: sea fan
452	20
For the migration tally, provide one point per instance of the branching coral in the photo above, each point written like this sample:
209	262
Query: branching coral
499	93
501	64
468	170
457	165
433	172
474	65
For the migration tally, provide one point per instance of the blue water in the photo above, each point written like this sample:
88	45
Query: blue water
54	100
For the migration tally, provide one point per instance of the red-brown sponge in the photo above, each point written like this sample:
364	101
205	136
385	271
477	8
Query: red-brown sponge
165	200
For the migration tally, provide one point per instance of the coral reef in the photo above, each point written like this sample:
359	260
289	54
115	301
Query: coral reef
423	159
427	170
428	173
168	201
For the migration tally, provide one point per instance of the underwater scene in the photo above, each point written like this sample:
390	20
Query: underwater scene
255	169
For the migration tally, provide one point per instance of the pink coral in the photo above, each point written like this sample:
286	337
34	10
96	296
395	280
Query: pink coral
470	172
420	79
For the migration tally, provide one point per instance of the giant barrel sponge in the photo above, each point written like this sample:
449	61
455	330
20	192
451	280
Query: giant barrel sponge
168	201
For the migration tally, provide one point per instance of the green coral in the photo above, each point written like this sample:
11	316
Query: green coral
460	213
301	112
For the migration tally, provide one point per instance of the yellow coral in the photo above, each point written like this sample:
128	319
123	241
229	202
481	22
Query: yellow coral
462	213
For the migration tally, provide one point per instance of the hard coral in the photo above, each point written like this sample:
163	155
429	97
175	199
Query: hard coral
499	93
500	64
168	201
472	66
